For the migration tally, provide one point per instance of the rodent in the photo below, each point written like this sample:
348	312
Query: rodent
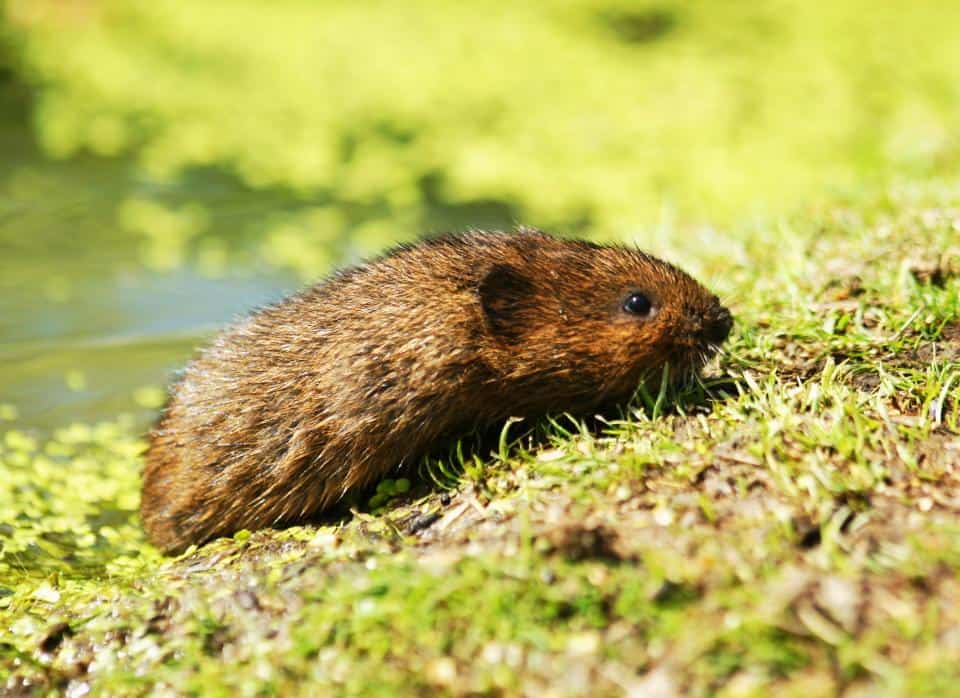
325	392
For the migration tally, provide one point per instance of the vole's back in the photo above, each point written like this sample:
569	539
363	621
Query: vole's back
328	390
305	400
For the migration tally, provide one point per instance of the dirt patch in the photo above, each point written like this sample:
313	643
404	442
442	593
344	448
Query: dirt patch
578	542
951	332
937	271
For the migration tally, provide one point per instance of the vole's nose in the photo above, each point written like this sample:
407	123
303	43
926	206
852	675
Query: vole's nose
717	324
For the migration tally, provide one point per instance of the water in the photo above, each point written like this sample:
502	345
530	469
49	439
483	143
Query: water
84	323
85	358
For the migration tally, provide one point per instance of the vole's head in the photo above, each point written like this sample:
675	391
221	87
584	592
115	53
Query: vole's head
594	321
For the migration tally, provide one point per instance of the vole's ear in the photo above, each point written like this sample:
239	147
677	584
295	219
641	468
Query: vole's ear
507	299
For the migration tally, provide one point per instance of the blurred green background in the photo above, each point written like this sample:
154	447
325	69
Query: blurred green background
166	165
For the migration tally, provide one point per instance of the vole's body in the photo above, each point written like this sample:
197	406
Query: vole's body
327	391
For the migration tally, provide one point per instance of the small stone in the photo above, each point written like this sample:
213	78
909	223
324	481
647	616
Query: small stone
551	455
442	671
46	593
583	644
324	539
657	683
663	516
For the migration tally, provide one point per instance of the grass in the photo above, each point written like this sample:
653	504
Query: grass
789	527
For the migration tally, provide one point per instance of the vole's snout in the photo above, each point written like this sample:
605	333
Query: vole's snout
717	323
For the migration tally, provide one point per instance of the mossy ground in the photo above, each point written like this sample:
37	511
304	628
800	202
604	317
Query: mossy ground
790	527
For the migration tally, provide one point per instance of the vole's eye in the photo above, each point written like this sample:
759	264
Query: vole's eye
638	304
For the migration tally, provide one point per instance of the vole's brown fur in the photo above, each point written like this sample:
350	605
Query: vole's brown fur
327	391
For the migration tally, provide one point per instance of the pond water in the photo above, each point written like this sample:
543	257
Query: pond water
85	325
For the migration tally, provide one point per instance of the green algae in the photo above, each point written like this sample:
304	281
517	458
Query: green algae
68	503
556	113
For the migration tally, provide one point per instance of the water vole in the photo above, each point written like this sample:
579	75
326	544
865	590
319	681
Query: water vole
326	391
